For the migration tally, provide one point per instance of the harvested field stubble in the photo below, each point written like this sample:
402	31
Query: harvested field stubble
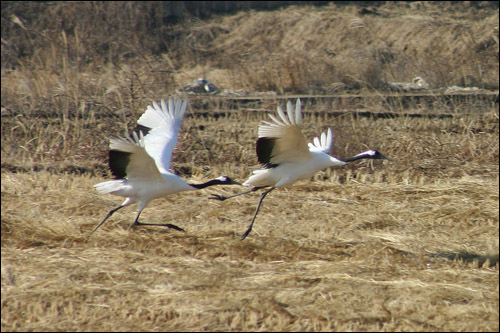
358	248
409	244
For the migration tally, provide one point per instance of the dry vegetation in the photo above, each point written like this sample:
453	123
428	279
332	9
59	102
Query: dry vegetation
363	248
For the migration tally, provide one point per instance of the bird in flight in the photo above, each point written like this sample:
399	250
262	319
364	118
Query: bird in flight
287	158
141	162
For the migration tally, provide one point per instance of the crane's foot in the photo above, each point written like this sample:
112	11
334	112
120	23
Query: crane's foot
168	225
218	197
245	234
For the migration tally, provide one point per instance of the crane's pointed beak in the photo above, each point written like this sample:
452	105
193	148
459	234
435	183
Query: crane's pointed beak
233	182
383	157
230	181
379	156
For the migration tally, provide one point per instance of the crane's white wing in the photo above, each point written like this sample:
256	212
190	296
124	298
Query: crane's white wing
281	140
128	158
164	121
323	143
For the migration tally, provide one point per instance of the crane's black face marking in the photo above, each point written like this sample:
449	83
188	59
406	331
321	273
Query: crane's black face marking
264	150
118	162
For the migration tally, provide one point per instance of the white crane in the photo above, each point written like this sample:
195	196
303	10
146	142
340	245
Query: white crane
141	162
282	149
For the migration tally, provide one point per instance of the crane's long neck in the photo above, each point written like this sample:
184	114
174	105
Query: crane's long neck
217	181
367	154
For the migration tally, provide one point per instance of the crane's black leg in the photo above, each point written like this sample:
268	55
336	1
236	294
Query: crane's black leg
169	225
262	196
107	217
222	198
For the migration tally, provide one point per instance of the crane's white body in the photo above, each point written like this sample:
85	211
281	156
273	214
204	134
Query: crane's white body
150	188
141	163
282	149
287	173
148	175
294	159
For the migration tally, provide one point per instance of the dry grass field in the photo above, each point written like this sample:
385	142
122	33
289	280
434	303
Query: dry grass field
409	244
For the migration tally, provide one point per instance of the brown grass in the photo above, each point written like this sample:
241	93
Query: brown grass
323	256
365	247
360	248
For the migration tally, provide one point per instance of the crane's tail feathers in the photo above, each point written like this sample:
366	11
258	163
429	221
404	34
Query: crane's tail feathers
164	114
109	186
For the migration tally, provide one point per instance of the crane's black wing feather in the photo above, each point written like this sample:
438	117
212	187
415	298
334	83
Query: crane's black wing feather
264	151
